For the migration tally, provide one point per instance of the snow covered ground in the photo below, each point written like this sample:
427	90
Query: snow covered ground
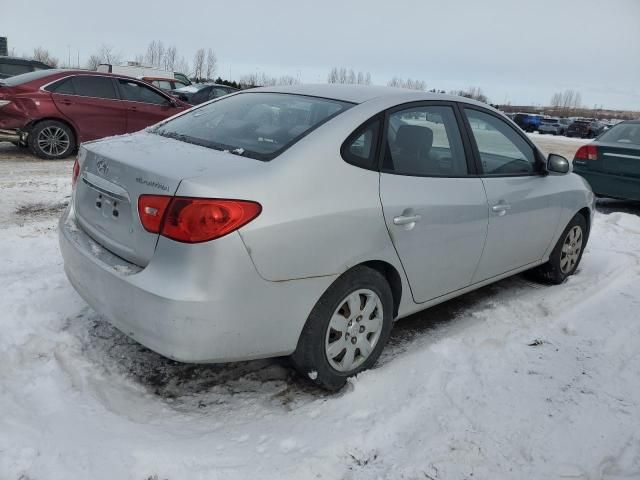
516	380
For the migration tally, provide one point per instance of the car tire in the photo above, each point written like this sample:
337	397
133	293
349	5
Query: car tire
332	344
566	254
51	140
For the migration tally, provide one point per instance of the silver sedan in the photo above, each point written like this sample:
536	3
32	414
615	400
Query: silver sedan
303	221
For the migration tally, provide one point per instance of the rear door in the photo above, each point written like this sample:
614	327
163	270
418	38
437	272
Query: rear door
524	204
434	207
92	104
145	106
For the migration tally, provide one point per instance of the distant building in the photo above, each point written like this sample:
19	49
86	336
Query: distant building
4	49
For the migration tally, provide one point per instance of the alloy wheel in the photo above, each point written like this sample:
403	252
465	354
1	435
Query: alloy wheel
53	141
354	330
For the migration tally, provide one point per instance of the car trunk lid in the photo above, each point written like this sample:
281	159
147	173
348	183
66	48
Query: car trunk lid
115	172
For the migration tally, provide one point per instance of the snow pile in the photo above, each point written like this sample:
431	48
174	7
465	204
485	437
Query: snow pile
517	380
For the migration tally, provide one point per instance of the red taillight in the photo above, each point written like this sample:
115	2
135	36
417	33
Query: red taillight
587	152
76	172
194	220
151	210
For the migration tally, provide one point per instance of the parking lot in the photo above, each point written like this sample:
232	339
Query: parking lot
517	380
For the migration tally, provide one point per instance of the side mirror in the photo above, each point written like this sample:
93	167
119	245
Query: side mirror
558	164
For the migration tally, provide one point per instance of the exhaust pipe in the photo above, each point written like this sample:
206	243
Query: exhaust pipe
13	136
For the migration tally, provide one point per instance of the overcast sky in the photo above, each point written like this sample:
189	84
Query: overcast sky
516	51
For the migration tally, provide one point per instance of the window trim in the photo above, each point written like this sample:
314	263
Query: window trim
62	79
377	144
540	162
472	170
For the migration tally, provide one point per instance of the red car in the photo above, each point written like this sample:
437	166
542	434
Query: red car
53	111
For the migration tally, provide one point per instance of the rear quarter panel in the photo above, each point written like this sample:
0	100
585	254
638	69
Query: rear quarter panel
320	214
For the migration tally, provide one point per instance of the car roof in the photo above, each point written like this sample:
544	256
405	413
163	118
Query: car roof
364	93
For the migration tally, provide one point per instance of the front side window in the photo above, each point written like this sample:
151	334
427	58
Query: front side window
253	124
137	92
97	87
424	141
502	150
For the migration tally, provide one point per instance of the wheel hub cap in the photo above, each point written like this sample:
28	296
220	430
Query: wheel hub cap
354	330
571	249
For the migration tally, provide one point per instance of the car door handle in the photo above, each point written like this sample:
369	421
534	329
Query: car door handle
501	208
406	219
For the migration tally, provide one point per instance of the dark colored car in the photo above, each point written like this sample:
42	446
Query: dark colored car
198	93
529	122
166	84
611	164
585	128
52	111
12	66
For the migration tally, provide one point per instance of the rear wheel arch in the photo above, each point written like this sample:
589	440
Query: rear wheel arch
31	125
391	274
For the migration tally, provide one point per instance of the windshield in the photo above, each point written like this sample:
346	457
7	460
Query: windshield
27	77
626	133
254	124
549	120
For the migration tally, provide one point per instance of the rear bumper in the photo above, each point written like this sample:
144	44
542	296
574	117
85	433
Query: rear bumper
191	303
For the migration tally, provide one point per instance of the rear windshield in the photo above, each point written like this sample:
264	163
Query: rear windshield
549	120
258	125
26	77
625	133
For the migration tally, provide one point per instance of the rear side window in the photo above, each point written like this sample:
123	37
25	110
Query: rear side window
360	148
137	92
63	87
424	141
97	87
258	125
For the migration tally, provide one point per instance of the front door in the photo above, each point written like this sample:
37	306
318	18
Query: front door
436	213
145	106
524	204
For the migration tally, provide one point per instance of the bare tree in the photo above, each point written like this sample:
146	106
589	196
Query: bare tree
105	54
408	83
264	80
108	55
348	76
93	62
474	93
42	55
198	64
170	58
182	66
212	61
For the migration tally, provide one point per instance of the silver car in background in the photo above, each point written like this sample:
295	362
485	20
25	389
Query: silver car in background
554	125
304	220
